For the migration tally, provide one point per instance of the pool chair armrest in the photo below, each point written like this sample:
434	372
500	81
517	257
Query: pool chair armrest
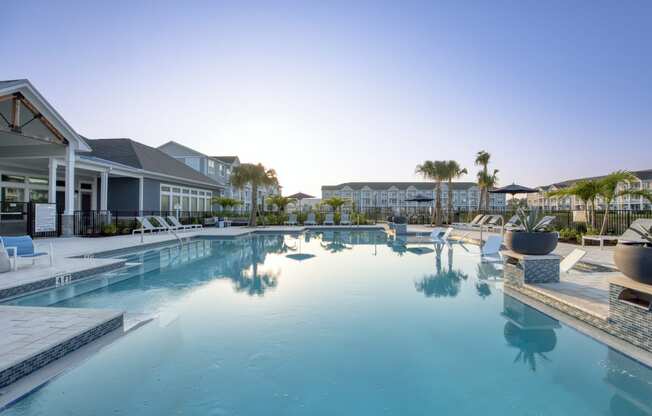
50	250
14	255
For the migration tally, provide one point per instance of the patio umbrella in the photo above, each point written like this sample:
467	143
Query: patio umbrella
299	196
300	256
419	199
513	189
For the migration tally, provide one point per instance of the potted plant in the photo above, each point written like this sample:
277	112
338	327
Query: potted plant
634	258
533	237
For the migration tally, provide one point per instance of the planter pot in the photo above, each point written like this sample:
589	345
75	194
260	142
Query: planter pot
536	244
634	261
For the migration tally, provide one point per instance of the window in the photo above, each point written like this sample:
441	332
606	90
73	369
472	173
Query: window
38	181
193	162
13	195
38	195
211	167
13	178
193	206
185	204
176	202
201	203
165	202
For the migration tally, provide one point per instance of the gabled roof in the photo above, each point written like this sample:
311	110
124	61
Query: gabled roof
643	175
422	186
188	150
226	159
40	104
140	156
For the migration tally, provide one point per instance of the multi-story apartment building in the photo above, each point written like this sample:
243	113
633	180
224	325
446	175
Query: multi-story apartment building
218	168
466	195
543	201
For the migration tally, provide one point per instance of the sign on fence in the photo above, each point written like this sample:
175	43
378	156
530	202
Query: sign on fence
579	216
45	218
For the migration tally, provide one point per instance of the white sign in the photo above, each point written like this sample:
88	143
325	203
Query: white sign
579	216
45	218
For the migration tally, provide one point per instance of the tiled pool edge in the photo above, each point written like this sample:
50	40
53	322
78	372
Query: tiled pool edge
600	323
51	282
43	358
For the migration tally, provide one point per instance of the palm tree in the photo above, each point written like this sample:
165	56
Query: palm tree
335	202
453	171
609	191
225	203
482	159
586	191
257	176
281	202
486	181
435	170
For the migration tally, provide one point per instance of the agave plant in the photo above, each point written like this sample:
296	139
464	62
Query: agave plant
529	220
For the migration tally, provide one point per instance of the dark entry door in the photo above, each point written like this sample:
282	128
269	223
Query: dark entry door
86	201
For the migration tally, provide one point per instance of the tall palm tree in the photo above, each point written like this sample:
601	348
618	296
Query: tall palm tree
609	191
437	171
257	176
482	159
453	171
335	202
486	181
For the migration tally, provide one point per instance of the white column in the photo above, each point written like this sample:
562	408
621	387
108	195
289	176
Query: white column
70	180
52	181
104	190
140	193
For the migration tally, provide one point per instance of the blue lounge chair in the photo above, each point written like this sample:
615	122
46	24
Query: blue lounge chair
24	247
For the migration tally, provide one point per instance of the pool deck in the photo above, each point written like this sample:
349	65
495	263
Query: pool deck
33	337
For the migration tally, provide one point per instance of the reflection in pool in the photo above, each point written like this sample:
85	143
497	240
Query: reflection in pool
366	325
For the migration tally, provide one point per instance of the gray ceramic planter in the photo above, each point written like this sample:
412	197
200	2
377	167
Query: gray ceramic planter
535	244
634	261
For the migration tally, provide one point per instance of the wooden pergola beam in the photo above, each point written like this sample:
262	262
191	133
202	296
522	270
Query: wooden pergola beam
43	120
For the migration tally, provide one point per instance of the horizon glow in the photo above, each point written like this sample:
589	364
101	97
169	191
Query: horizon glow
339	92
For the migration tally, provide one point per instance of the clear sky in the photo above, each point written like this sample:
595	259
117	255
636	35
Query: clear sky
328	92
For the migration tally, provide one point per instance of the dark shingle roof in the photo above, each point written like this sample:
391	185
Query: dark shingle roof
422	186
641	174
137	155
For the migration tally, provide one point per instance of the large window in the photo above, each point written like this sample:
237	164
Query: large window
184	199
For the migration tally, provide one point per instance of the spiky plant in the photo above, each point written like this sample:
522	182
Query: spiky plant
529	220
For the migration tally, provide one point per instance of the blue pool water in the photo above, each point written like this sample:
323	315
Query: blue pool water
334	323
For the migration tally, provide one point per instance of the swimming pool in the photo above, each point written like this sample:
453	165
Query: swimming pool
330	323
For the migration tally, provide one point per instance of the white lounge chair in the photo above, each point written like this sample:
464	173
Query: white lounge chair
492	246
146	225
170	226
628	235
176	223
310	220
468	224
345	219
292	220
571	260
439	237
329	219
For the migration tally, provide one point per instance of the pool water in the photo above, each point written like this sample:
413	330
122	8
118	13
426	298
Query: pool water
332	323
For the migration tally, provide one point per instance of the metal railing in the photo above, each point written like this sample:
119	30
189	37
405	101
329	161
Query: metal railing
20	218
107	223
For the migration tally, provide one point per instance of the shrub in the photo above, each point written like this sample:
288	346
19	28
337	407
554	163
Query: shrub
109	229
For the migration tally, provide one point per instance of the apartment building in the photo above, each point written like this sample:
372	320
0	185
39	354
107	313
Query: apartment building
466	195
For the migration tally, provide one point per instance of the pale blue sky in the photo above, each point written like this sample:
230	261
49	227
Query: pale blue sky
326	92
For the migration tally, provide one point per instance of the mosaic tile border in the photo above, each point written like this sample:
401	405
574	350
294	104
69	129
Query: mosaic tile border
44	358
51	282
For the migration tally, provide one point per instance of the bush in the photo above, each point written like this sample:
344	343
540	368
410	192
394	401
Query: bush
569	235
109	229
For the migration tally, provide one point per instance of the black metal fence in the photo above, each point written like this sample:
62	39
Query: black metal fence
30	218
106	223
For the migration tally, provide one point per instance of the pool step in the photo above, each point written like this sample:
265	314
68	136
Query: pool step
36	336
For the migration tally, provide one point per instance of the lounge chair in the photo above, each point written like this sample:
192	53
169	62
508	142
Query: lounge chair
439	237
513	223
170	226
474	221
345	219
292	220
175	221
146	225
492	246
571	260
24	247
310	220
330	219
628	235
